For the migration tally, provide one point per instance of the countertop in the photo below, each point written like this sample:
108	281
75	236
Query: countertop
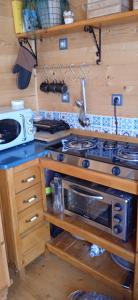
17	155
20	154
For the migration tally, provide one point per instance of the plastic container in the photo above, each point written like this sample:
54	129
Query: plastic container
17	104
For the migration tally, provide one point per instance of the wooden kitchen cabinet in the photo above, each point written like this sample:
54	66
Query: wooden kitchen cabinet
22	192
4	273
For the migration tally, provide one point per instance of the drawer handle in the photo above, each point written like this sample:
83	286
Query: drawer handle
34	218
2	243
34	198
29	179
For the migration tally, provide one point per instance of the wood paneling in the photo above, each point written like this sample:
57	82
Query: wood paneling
77	253
8	53
118	72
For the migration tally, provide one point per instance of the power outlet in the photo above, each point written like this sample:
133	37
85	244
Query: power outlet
117	99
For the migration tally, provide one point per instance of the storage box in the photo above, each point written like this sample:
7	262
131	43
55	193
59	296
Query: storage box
135	4
79	9
97	8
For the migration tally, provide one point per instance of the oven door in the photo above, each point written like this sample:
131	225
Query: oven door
92	206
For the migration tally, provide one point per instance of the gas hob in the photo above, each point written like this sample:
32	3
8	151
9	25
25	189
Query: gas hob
107	156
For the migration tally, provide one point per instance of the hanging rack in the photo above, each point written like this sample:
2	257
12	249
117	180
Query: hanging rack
65	66
71	71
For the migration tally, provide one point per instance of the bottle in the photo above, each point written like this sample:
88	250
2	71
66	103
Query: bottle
58	207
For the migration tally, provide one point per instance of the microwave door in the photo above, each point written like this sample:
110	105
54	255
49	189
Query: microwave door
9	130
89	205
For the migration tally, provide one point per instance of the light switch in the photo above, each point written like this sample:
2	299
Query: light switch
65	97
63	44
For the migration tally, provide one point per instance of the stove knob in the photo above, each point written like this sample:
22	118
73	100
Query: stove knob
117	218
116	171
117	229
60	157
118	207
85	164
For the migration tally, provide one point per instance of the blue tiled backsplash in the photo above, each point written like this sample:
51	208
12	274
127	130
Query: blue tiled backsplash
106	124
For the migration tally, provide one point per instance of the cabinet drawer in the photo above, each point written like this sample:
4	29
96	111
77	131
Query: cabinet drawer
34	243
27	178
30	217
39	234
29	197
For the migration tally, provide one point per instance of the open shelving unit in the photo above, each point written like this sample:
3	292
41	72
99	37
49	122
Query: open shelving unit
94	235
75	226
77	252
118	18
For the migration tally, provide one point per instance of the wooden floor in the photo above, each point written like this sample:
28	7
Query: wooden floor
49	278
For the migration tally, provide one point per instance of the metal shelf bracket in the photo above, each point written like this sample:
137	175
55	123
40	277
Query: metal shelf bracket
98	41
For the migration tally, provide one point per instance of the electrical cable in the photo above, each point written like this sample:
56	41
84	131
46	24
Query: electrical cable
115	115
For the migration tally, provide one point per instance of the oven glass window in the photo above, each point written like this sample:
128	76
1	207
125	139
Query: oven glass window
9	130
84	206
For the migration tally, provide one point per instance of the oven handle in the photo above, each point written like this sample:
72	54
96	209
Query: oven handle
94	196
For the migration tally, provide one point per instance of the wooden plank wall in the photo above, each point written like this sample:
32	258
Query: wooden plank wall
118	72
8	54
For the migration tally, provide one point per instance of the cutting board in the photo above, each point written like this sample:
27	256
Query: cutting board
48	137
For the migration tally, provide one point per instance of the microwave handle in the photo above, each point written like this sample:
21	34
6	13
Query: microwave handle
24	127
94	196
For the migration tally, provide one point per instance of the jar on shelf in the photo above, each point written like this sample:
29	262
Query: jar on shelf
68	17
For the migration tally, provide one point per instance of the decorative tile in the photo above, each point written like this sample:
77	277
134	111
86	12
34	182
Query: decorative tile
98	123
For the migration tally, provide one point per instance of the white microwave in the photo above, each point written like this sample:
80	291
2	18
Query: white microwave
16	127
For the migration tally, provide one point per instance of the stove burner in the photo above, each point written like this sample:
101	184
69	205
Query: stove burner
129	154
78	144
110	145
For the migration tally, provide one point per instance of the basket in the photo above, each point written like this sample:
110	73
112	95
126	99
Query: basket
49	13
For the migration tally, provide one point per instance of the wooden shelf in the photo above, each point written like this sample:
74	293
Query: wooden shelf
93	235
119	18
77	252
116	182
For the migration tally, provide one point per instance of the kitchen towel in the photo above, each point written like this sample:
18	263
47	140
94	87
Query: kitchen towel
24	65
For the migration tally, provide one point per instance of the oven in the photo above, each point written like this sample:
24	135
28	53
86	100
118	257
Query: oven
105	208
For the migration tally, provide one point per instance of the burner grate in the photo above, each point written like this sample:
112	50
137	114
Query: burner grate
78	144
129	154
110	145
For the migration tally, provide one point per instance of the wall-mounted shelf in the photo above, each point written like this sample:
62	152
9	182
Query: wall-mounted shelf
119	18
77	253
